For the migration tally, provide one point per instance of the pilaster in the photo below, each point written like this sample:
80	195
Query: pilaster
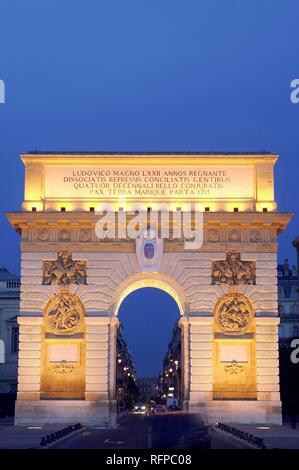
29	370
97	347
267	358
201	382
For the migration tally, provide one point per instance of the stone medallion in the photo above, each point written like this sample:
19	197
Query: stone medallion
233	313
64	313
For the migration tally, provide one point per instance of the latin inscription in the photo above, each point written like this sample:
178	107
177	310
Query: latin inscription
140	183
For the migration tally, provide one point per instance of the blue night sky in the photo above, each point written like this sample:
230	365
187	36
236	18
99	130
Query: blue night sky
129	75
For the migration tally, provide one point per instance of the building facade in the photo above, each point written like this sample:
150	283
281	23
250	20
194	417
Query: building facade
74	279
288	301
170	380
126	387
148	388
9	334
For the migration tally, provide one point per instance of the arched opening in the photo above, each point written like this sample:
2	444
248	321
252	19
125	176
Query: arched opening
149	363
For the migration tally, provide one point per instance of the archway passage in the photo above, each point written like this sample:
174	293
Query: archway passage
148	351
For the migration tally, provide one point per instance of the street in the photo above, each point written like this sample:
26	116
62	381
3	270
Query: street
143	432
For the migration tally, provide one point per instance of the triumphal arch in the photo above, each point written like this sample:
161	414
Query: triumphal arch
208	227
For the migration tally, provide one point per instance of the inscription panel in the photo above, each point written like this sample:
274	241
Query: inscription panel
150	182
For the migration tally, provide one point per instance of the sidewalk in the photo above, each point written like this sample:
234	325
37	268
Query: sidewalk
23	437
275	437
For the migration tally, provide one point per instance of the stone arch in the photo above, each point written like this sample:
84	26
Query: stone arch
157	280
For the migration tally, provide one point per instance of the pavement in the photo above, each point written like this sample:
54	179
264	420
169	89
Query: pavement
23	437
275	437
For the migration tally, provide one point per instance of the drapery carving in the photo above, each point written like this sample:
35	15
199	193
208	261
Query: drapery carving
64	270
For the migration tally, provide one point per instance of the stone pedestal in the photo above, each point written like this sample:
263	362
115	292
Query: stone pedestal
87	412
239	411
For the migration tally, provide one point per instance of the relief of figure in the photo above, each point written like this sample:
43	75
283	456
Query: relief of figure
255	237
213	236
64	312
234	236
64	270
233	270
85	235
43	234
64	235
233	313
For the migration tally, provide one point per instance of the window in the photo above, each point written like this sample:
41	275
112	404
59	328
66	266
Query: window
295	308
294	291
281	331
14	339
280	291
280	309
12	284
296	331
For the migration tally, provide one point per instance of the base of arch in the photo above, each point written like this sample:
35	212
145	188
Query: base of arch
239	411
103	413
87	412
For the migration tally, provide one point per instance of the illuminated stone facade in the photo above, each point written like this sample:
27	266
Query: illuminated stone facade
226	290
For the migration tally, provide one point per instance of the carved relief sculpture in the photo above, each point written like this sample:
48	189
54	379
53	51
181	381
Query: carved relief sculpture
255	237
213	236
234	236
234	368
233	313
64	313
63	368
233	270
85	235
43	234
64	235
64	270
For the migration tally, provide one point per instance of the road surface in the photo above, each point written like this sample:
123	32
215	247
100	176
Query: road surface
142	432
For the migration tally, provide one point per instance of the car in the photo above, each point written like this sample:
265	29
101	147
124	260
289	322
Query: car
140	408
173	408
159	409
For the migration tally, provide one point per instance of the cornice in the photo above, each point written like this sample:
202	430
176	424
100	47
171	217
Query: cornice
25	219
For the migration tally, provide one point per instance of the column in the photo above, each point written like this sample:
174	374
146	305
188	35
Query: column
201	377
29	370
267	358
